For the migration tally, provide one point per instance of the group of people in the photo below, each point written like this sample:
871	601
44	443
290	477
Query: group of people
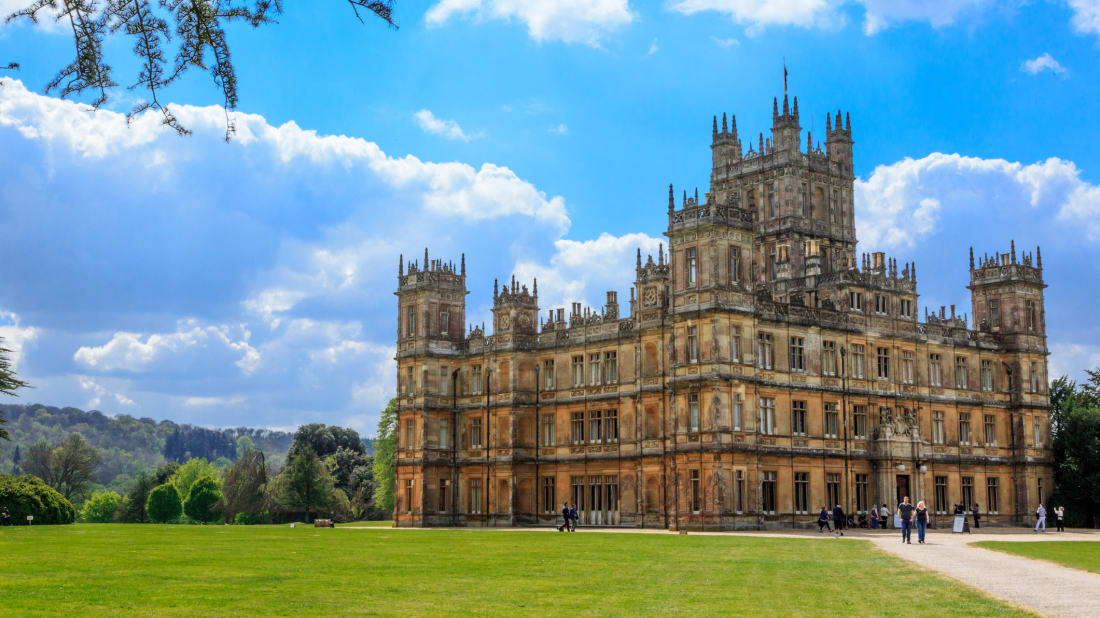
569	518
1041	518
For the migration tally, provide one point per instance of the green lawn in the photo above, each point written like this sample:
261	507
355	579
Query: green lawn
274	570
1083	555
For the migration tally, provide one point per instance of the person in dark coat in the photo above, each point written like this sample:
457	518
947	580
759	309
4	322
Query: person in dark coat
977	517
573	517
905	512
838	520
564	517
823	520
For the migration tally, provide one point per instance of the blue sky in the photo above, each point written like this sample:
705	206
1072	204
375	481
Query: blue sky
251	283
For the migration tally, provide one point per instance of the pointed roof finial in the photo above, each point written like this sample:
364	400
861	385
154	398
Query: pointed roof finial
847	122
828	123
671	199
809	142
401	265
733	125
463	264
1038	258
838	125
761	143
427	264
796	107
661	254
496	288
775	108
1013	245
714	127
696	196
638	263
684	199
514	288
972	258
786	105
535	289
724	123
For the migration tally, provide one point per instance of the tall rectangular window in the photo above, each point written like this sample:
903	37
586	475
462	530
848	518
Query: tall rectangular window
578	371
1037	432
883	358
444	321
881	306
994	313
693	412
549	502
611	426
737	405
938	436
964	428
410	322
692	264
1033	377
767	492
907	370
859	419
863	492
798	354
801	492
693	344
771	200
696	498
906	308
960	372
765	352
941	495
409	496
595	426
475	432
832	421
990	430
855	301
735	343
1029	311
858	358
444	433
443	380
548	430
992	499
1039	488
611	367
739	483
444	490
828	358
967	491
735	265
410	382
578	428
409	433
594	369
475	380
767	415
935	370
548	374
987	376
798	418
475	497
832	488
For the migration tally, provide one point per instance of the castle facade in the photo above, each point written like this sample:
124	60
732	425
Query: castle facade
764	371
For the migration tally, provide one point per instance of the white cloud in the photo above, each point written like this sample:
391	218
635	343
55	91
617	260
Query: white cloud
194	344
15	337
1045	62
902	203
448	129
47	17
1086	16
760	13
569	21
1071	359
727	42
653	48
101	393
202	402
881	14
558	129
878	14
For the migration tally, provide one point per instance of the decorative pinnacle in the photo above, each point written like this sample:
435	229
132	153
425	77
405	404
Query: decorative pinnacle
1013	245
838	126
796	107
714	127
828	123
733	126
786	106
775	108
1038	258
638	264
463	264
427	264
972	258
535	291
401	265
671	199
724	122
496	288
847	122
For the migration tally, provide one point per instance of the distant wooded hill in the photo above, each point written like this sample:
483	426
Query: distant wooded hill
130	445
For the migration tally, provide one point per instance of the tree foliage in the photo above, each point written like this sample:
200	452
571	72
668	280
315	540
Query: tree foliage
202	498
306	485
195	28
136	499
385	471
163	504
1075	432
325	440
191	471
244	486
28	495
68	467
9	383
101	507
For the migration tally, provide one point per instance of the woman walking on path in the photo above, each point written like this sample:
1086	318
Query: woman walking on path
1060	516
823	520
884	515
1042	514
922	521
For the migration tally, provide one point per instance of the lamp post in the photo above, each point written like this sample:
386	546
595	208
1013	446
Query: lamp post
844	416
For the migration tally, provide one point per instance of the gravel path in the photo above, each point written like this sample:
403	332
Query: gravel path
1041	586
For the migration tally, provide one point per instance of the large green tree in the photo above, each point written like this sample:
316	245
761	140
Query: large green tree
325	440
191	471
137	497
28	495
101	507
163	504
244	485
9	383
1075	432
385	449
69	467
306	485
202	498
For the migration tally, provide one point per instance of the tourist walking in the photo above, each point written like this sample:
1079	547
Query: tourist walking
873	517
823	520
564	517
1059	517
905	513
922	521
977	518
1042	514
838	521
573	517
884	516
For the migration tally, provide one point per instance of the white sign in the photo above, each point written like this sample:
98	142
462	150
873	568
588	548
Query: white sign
960	522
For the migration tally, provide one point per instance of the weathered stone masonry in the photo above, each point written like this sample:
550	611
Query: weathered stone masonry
761	374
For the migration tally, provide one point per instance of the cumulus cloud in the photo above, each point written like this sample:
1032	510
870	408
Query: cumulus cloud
878	14
1045	62
190	348
569	21
902	203
1086	16
653	48
726	43
101	394
15	337
448	129
1071	359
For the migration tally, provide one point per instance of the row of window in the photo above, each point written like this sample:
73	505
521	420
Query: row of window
691	266
603	368
410	321
1031	318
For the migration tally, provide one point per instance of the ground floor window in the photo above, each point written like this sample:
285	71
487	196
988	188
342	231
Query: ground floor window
409	496
739	481
801	492
549	502
444	490
475	496
863	491
991	497
832	488
696	498
941	494
767	492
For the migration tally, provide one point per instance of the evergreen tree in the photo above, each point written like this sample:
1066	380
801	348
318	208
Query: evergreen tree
385	471
201	499
137	498
9	383
163	504
306	484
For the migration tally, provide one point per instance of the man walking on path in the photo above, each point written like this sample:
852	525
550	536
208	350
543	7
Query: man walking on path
564	517
905	512
838	520
1042	513
884	516
974	511
1059	517
573	518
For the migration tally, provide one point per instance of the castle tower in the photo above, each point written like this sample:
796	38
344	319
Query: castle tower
431	300
515	311
786	133
725	147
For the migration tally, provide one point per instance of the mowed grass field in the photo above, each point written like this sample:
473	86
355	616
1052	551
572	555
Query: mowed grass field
1084	555
160	570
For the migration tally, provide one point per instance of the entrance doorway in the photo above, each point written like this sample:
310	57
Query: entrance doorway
903	488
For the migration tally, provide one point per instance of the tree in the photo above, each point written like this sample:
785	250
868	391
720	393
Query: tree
163	504
244	445
325	440
385	472
244	485
165	472
28	495
68	467
137	498
8	382
306	485
201	499
199	27
189	472
1075	432
100	508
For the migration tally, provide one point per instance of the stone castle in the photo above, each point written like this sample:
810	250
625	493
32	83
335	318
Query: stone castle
764	371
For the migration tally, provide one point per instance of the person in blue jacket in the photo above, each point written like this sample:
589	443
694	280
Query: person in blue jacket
573	518
838	520
823	520
564	517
